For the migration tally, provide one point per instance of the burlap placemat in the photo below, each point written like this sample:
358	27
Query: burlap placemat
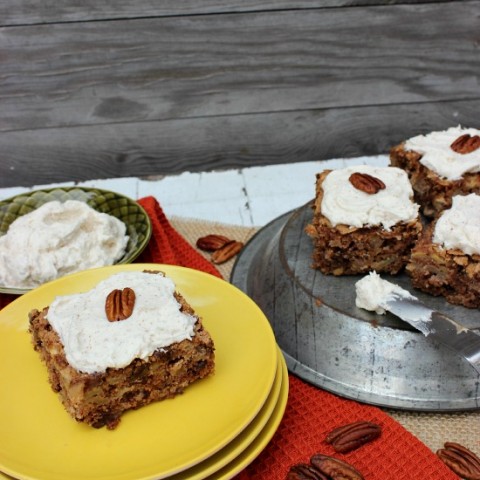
433	429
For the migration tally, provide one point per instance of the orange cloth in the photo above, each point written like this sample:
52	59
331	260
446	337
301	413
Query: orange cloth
167	245
310	412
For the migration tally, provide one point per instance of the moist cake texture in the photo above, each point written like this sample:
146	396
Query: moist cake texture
368	224
112	365
440	165
446	259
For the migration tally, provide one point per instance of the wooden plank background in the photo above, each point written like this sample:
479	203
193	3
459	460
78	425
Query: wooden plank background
115	90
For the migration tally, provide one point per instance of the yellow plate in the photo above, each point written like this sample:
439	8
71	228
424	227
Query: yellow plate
245	447
260	442
38	439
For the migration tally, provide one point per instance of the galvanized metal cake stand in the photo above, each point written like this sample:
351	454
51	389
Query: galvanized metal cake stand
329	342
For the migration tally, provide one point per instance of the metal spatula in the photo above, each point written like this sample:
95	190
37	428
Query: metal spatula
437	326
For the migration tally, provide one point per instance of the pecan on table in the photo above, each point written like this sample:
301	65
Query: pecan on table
352	436
460	460
366	183
227	252
212	242
304	471
334	468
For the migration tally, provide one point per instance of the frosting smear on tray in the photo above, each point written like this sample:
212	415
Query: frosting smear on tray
373	293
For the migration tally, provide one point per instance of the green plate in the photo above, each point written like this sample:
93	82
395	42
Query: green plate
139	227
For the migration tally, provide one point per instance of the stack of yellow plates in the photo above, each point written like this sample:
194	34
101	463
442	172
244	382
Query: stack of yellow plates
213	430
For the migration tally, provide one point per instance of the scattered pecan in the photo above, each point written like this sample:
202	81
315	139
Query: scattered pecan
460	460
212	242
334	468
466	144
366	183
119	304
349	437
303	471
227	252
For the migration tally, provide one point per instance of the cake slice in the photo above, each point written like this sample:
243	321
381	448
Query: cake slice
130	341
364	219
446	259
440	165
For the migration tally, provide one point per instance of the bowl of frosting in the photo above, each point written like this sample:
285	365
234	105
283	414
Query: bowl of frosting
47	234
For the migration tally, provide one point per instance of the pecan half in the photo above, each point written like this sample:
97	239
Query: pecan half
119	304
465	144
334	468
303	471
349	437
366	183
212	242
227	252
460	460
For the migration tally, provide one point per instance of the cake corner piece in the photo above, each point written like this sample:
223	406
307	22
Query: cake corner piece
446	262
440	165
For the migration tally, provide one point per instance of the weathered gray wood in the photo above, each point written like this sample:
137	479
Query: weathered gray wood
197	86
155	69
24	12
154	148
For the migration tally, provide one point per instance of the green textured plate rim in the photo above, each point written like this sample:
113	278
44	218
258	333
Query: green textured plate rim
130	212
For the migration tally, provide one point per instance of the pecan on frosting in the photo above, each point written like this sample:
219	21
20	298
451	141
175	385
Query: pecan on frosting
119	304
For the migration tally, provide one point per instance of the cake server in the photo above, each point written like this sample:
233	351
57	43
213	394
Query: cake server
437	326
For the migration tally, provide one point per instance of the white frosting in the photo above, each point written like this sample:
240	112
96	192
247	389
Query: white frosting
440	158
344	204
92	343
373	292
57	239
459	226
